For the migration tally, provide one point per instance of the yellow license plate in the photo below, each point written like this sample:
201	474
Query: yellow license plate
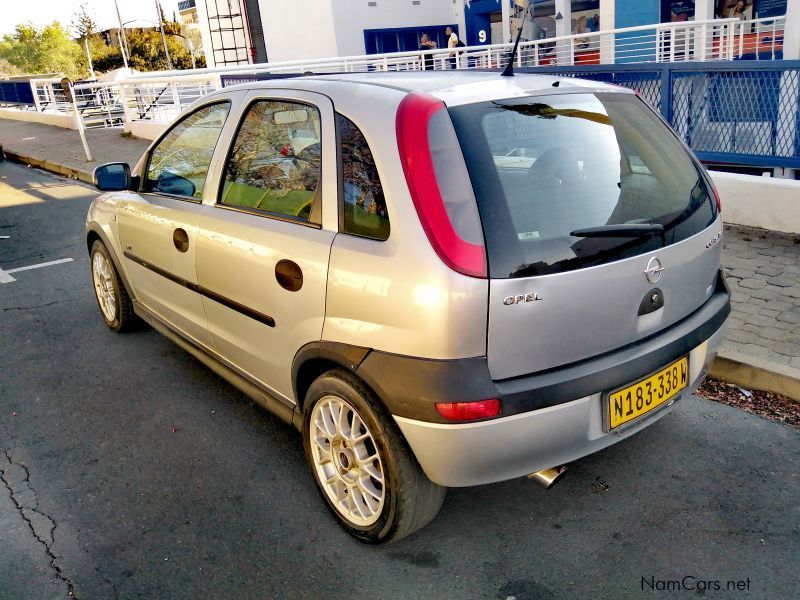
640	398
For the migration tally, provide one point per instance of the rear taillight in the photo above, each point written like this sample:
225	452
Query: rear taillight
716	197
439	183
469	411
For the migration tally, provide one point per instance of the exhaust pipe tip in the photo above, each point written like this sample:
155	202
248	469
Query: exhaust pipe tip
547	478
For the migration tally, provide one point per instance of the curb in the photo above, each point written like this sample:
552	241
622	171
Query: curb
81	175
756	373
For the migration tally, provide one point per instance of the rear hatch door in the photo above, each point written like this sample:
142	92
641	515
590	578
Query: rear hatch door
600	227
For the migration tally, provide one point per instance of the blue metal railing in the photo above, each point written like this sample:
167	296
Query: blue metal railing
743	112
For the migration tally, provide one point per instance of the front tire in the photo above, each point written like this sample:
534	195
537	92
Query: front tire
112	297
365	471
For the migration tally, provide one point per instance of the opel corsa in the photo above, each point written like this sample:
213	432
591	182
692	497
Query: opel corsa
439	280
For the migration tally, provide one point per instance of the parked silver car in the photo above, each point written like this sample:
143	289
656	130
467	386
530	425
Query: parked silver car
439	279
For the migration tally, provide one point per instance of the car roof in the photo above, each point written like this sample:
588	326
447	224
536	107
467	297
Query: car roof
434	81
453	87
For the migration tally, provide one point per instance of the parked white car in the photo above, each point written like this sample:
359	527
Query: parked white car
440	279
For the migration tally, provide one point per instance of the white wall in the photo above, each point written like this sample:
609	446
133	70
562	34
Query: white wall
296	30
146	130
791	42
323	28
354	16
765	202
48	118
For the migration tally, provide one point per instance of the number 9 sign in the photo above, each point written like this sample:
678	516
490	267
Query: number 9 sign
482	36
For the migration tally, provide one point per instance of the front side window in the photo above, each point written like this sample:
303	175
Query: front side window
365	211
179	163
274	164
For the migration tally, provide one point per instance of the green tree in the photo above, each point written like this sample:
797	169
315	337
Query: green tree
84	22
147	51
50	49
104	56
7	69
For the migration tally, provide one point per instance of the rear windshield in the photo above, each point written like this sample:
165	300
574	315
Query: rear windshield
546	167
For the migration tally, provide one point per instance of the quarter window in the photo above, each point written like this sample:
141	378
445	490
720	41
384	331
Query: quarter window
365	211
179	163
274	164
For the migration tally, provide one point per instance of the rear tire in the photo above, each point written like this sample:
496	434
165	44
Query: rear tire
112	297
364	469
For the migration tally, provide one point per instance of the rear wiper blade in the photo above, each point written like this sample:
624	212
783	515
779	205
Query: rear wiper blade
631	230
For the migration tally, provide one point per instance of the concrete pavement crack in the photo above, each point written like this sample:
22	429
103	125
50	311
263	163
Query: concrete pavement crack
24	510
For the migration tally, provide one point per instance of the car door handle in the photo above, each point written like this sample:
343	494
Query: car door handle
181	239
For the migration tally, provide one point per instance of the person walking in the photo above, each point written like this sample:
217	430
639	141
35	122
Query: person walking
452	42
425	43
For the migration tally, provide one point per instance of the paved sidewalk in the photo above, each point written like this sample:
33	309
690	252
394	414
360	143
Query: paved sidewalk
763	267
60	150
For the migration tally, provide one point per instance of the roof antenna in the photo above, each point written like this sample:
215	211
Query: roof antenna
509	70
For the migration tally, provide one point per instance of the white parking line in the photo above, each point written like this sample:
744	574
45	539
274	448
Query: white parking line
5	276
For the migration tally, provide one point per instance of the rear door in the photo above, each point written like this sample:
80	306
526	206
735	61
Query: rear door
158	227
600	228
265	236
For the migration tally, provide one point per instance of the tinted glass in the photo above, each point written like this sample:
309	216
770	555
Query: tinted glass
179	163
275	161
545	167
365	211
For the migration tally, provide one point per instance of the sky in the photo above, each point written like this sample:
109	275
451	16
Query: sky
42	12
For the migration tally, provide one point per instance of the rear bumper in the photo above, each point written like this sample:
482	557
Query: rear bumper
410	387
457	455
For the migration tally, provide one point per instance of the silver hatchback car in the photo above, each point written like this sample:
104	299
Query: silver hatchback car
438	279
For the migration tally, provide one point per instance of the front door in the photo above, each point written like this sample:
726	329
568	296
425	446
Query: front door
158	226
265	237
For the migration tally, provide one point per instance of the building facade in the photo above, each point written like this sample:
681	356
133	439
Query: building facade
248	31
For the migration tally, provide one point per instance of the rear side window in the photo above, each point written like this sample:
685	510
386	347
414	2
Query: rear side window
546	167
179	163
274	164
365	211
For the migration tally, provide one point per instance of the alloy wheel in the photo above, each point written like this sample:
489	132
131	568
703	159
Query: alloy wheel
103	278
347	461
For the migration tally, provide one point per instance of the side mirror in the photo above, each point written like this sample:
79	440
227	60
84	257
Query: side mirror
112	177
172	183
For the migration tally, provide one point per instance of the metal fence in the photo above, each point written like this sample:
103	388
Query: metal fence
743	113
16	93
159	97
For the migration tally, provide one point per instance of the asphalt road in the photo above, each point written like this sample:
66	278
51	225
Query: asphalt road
146	476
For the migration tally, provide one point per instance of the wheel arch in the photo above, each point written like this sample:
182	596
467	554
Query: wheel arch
95	233
315	358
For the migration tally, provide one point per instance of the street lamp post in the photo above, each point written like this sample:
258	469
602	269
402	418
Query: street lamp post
123	36
88	55
191	47
122	48
191	51
163	35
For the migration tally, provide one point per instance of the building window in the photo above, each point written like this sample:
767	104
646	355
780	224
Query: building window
226	24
